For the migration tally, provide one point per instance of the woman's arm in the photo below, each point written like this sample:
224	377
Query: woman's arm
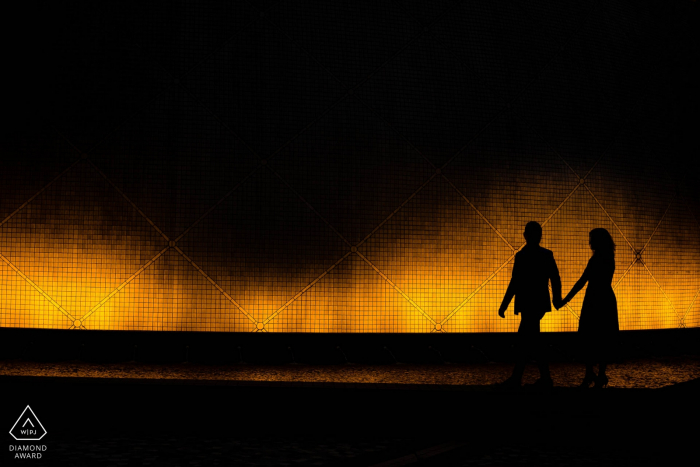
577	287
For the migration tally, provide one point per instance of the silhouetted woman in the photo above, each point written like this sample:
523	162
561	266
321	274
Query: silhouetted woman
598	325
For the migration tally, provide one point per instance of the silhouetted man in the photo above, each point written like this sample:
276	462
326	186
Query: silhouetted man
534	267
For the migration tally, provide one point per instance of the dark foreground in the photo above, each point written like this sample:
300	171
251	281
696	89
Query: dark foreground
100	422
199	399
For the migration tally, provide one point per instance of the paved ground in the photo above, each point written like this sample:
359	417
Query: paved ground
637	372
349	416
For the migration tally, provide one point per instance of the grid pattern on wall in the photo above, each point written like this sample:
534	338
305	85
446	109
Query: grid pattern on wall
276	167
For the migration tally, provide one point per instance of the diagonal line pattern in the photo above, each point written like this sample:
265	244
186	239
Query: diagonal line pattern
148	263
36	287
560	206
582	183
139	210
309	205
662	291
374	267
643	248
498	114
555	151
391	127
657	225
488	279
221	200
479	213
581	180
172	243
218	287
349	91
629	268
462	195
690	307
123	284
362	256
698	292
155	227
225	125
568	307
140	270
697	220
15	268
313	122
369	235
610	218
475	291
634	250
303	291
354	247
647	268
10	216
395	287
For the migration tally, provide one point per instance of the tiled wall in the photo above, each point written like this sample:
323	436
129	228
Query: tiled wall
323	168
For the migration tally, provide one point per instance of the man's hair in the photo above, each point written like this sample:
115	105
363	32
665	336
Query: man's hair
533	232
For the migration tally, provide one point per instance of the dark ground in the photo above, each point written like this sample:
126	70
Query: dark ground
174	422
102	421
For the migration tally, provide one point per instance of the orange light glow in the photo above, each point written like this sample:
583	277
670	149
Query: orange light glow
438	264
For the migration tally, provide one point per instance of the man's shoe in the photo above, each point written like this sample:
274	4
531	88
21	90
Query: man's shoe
544	384
509	384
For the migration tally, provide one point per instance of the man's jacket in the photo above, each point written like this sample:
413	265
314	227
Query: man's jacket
534	267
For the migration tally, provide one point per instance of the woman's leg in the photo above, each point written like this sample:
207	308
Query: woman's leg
601	380
587	352
589	368
604	354
588	360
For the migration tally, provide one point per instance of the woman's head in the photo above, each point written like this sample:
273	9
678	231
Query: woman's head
601	241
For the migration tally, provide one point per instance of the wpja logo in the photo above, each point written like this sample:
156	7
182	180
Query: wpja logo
28	428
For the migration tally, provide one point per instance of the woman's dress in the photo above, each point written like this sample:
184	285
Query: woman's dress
599	318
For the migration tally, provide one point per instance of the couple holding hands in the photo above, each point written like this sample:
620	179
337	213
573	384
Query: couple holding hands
533	269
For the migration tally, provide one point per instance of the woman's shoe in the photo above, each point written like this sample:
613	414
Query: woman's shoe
601	381
587	380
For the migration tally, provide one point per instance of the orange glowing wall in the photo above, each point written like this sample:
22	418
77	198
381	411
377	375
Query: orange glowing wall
80	254
344	166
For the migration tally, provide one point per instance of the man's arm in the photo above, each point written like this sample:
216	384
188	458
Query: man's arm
510	292
556	284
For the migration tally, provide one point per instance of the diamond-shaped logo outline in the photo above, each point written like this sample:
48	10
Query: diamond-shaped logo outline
28	419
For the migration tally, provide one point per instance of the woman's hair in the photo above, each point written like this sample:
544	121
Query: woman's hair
602	242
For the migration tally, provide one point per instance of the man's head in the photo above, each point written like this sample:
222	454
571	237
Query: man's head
533	233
